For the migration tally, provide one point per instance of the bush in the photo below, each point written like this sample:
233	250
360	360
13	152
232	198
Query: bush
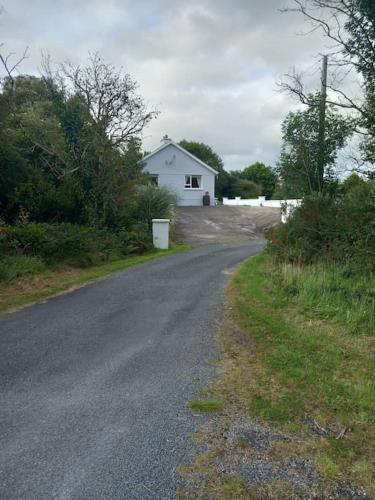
56	242
73	244
136	239
330	228
153	202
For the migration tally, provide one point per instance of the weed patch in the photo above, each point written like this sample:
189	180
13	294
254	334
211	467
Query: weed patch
206	405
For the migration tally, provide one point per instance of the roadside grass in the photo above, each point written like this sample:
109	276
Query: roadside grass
332	291
301	357
206	405
38	282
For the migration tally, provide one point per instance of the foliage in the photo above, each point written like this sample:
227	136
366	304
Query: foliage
301	154
330	228
70	243
65	156
262	175
244	188
349	26
153	202
204	152
17	266
109	96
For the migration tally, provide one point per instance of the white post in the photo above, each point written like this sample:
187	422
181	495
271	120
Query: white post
160	233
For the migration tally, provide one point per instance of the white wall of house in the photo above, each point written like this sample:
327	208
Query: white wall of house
171	166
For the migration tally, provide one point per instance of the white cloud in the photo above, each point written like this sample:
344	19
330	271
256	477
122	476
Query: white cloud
210	66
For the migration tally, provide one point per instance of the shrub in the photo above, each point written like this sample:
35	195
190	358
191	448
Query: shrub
73	244
331	228
153	202
55	242
17	266
136	239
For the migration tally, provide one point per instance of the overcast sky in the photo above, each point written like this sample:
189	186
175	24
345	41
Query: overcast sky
209	66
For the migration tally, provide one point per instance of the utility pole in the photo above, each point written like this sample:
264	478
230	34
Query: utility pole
322	124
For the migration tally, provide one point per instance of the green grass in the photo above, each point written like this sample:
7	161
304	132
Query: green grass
305	354
206	405
332	291
17	266
39	282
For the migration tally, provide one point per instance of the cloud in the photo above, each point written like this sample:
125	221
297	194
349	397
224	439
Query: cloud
210	66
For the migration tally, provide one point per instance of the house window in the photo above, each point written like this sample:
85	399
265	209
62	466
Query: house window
154	179
193	182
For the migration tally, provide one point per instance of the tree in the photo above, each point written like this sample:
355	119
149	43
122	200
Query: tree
264	176
66	155
300	160
110	96
11	66
102	116
350	25
244	188
204	152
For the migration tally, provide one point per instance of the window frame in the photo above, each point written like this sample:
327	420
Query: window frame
188	185
154	178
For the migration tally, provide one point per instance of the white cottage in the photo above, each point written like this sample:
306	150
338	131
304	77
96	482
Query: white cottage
188	177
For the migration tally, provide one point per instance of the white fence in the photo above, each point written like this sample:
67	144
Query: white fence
286	206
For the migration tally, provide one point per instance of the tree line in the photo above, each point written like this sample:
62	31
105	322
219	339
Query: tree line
336	218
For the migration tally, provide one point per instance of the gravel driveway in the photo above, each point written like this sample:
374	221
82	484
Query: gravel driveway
95	383
223	223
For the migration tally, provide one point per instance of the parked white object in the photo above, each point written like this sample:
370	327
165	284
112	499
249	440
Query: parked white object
184	174
160	233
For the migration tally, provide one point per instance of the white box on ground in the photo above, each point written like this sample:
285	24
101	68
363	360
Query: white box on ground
160	233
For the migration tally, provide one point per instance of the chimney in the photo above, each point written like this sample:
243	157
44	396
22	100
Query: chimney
165	139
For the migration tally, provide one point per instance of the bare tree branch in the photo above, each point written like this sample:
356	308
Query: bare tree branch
332	16
10	69
110	97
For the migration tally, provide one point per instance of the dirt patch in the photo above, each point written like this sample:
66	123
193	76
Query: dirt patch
199	225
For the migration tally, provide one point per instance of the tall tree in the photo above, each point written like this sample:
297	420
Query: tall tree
301	156
350	26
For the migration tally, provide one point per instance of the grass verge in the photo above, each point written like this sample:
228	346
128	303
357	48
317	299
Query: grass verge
206	405
301	358
46	283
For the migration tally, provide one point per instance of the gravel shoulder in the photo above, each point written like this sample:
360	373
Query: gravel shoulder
95	383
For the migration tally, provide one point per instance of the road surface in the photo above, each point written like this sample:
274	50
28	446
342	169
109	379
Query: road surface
95	383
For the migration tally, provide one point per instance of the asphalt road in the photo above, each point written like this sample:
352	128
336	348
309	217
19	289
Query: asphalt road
95	383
